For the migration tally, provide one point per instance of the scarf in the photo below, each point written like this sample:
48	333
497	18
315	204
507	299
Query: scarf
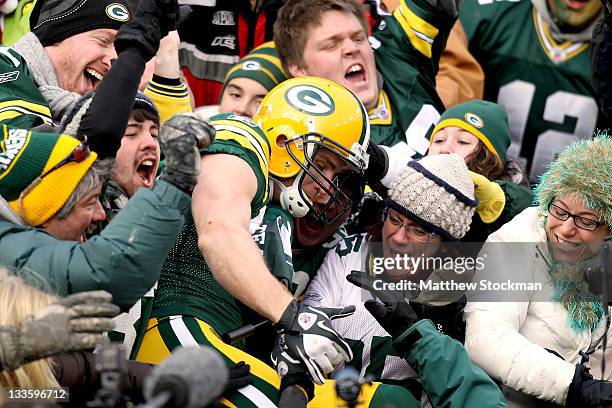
7	213
571	290
585	35
44	75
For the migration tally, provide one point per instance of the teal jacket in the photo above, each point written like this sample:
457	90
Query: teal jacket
449	377
125	259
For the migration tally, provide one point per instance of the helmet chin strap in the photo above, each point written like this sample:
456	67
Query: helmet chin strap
291	199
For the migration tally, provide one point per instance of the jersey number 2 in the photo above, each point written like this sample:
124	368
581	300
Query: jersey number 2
517	98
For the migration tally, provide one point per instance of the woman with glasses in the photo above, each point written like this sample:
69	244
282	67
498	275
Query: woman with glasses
541	348
430	203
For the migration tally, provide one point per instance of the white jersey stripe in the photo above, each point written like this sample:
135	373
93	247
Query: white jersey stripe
182	332
257	397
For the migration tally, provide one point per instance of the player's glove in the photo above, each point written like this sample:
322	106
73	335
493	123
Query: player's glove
310	338
73	323
293	375
180	139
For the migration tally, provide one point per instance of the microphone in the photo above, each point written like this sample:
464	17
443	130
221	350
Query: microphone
191	377
348	385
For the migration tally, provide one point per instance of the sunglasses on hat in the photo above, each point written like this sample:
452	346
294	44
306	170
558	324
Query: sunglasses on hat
79	154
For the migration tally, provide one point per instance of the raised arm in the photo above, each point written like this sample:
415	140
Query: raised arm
222	212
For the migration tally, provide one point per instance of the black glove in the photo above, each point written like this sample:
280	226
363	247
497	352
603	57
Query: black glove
239	376
448	318
180	139
310	338
153	20
395	315
586	392
378	165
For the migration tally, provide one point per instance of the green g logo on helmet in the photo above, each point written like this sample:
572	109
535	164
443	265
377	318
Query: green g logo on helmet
310	100
117	12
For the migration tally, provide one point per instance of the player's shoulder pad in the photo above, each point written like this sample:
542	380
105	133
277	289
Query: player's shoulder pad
235	127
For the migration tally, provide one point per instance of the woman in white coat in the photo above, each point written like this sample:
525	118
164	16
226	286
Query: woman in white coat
541	348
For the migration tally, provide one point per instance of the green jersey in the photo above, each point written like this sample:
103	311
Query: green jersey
21	103
407	49
186	285
544	84
294	267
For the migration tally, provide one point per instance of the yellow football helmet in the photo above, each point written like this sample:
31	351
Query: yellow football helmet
301	116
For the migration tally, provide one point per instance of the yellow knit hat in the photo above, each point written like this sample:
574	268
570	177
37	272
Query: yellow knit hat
24	157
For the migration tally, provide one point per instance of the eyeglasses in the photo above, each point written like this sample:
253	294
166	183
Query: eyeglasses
414	232
79	154
581	222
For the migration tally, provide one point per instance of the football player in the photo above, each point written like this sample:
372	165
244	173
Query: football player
315	133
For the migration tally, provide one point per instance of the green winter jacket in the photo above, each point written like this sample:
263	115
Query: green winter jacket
448	376
125	259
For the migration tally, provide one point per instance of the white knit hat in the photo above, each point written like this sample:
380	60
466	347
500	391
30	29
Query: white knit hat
437	193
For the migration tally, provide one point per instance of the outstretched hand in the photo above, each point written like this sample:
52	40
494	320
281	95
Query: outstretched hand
76	322
394	314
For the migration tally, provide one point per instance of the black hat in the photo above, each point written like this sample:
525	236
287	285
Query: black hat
72	120
142	101
55	20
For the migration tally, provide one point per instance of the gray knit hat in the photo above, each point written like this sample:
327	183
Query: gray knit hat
437	193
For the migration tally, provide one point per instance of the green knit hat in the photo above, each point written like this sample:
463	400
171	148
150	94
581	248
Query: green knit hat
487	121
24	157
261	65
584	168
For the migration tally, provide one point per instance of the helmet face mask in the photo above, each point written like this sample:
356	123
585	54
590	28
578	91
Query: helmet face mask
306	117
343	190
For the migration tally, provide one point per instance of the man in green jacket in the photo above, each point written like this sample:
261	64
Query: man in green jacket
49	188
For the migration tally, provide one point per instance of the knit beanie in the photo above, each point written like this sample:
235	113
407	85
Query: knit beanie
584	168
142	101
261	65
437	193
25	156
55	20
72	120
487	121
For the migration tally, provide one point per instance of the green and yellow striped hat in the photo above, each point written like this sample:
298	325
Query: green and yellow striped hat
261	65
487	121
24	157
